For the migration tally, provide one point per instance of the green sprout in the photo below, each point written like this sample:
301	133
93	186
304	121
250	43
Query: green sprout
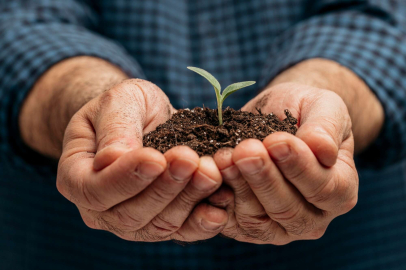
220	96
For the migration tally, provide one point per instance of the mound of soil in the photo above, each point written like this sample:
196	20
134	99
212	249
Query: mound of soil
199	129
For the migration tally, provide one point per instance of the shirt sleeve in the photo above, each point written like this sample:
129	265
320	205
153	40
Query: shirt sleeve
35	35
369	38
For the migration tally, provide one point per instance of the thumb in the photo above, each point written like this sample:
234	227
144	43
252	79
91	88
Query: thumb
118	120
324	124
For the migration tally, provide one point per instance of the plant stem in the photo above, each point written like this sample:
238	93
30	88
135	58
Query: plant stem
220	113
219	107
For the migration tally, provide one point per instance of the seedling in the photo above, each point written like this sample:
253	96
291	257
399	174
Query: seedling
220	96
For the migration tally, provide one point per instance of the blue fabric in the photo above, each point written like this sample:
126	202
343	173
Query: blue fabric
235	40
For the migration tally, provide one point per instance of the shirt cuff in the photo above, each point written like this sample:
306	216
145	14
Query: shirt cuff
27	52
368	46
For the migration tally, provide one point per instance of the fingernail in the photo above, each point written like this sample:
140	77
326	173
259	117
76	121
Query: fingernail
231	172
149	170
251	166
279	151
203	182
182	169
211	226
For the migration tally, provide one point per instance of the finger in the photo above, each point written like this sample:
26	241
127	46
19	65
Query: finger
250	222
323	187
224	198
281	201
125	178
121	116
95	220
206	221
246	203
324	124
205	181
108	155
138	211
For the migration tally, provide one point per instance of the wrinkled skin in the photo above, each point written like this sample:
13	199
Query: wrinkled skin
287	187
136	193
140	194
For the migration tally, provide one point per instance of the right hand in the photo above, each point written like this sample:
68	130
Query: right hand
136	193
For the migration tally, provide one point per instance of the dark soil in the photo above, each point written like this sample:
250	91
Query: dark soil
199	129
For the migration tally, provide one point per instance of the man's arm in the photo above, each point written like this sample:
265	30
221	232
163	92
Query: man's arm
366	111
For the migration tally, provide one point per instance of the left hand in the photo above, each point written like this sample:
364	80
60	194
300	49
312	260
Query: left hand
289	187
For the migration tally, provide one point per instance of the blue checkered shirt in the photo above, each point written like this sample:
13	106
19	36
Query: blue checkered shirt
235	40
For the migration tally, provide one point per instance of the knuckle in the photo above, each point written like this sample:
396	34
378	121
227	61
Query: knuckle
107	97
128	236
192	194
161	195
114	126
291	213
250	222
186	200
180	239
332	126
257	228
343	186
260	180
335	128
282	242
106	225
231	232
294	221
125	92
348	122
126	219
65	183
93	199
298	170
90	224
350	204
163	226
89	221
324	192
60	186
299	226
123	188
145	88
349	191
244	192
145	235
268	236
263	182
131	183
317	233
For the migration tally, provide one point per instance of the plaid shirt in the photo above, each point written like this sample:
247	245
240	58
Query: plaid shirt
236	41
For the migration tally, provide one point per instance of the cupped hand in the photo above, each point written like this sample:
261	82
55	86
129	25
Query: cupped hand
136	193
289	187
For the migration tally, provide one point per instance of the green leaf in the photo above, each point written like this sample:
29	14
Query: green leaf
209	77
234	87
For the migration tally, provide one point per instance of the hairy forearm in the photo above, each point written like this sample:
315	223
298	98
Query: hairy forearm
59	94
365	110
